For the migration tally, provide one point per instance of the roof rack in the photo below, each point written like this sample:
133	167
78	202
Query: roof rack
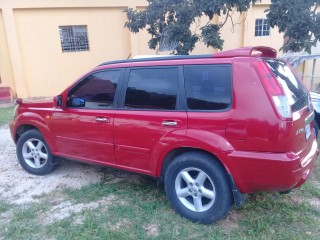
172	57
259	51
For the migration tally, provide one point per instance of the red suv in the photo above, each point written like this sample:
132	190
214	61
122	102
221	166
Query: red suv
212	127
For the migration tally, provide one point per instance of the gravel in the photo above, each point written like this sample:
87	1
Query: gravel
19	187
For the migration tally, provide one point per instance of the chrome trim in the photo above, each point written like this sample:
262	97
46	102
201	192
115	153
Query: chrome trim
169	123
309	119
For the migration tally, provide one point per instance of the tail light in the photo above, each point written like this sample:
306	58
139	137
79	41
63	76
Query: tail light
274	89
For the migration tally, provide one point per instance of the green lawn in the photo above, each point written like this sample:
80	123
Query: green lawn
6	115
139	210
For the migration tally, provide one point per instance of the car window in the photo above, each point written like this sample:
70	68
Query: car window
152	88
208	87
98	89
293	88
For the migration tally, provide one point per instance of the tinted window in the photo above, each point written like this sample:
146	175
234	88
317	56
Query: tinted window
208	87
152	88
293	88
97	89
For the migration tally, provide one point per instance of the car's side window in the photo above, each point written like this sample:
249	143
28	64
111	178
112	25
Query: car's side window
152	88
97	90
208	87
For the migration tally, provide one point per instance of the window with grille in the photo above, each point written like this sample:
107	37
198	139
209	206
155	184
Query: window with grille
74	38
262	27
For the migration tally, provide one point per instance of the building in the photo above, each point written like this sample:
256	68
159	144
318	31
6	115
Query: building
39	55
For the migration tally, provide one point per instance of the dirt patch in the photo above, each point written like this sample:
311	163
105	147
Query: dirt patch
314	202
111	175
5	218
152	230
19	187
121	224
68	208
231	222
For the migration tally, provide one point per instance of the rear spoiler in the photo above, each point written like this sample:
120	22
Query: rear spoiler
259	51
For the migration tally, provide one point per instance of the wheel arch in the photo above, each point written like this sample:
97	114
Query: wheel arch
22	129
28	121
172	154
238	198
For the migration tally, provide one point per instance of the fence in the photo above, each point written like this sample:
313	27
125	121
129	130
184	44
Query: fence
312	83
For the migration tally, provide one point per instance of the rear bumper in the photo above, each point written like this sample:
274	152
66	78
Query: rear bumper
256	171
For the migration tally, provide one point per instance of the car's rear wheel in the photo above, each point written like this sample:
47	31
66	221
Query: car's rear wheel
34	154
197	187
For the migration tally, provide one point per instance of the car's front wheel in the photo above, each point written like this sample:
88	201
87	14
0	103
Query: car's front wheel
34	154
197	187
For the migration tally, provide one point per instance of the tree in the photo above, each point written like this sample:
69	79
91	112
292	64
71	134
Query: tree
298	20
170	21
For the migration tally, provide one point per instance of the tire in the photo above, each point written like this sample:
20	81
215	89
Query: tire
34	154
208	197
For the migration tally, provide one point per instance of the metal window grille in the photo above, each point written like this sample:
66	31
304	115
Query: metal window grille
262	27
74	38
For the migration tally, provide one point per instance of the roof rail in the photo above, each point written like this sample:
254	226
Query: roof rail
247	51
238	52
171	57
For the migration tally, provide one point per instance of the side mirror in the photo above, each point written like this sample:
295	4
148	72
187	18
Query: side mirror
77	102
58	100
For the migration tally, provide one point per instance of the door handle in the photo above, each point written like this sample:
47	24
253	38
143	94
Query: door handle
169	123
102	119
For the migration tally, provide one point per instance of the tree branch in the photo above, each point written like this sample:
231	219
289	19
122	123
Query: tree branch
315	9
227	16
238	23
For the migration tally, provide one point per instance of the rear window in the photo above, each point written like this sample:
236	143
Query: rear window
293	88
208	87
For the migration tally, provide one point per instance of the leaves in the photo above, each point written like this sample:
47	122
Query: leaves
171	19
211	36
299	22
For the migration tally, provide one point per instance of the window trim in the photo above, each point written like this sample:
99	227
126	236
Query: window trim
262	31
179	100
116	95
230	65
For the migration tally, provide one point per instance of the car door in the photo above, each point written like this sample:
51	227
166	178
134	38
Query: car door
150	118
84	128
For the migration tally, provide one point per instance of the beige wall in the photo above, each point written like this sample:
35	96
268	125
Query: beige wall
33	64
6	74
47	69
275	40
31	60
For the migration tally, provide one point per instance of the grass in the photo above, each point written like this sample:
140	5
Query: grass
141	211
4	206
6	115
